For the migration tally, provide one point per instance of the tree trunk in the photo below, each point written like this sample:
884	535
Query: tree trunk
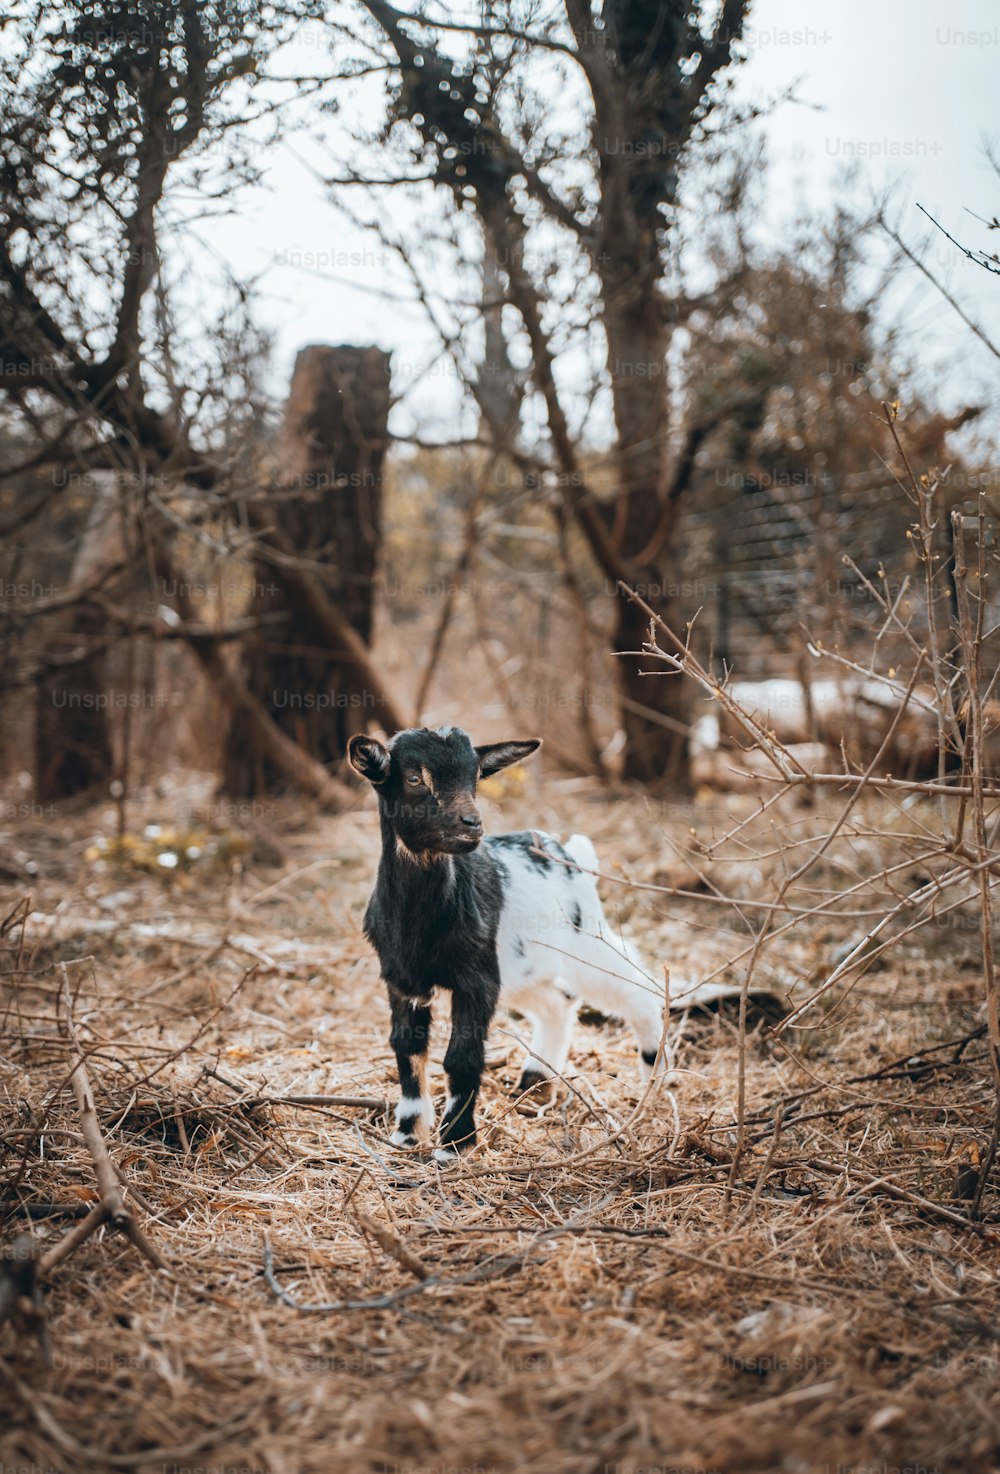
333	442
73	742
655	708
72	738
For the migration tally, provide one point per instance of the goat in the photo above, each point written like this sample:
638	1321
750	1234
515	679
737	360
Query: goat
507	916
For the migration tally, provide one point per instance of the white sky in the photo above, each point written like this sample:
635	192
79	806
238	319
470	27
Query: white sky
909	91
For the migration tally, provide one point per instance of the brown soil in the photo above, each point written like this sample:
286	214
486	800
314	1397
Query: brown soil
595	1291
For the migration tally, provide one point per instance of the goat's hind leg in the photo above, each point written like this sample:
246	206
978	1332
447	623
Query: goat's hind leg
643	1008
409	1039
552	1009
615	983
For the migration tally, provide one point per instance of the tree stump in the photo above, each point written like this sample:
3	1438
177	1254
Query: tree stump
332	449
73	737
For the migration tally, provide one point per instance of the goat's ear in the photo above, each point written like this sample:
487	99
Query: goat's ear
496	755
369	757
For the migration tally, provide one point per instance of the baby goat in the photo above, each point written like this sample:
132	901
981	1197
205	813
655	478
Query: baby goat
503	917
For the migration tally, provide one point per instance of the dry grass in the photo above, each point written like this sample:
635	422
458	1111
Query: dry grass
596	1299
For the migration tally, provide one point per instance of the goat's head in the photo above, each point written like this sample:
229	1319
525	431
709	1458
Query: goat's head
426	784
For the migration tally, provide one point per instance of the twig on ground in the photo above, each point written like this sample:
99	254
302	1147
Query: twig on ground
111	1209
345	1102
393	1245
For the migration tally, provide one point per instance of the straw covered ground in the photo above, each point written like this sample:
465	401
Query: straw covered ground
595	1291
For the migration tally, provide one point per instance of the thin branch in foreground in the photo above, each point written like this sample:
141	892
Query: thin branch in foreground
111	1209
971	633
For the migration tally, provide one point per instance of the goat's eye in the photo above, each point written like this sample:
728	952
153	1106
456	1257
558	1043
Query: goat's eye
414	780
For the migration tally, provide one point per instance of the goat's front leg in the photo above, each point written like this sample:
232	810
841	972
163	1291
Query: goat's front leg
471	1012
410	1036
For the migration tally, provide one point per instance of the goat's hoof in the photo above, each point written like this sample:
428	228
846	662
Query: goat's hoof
661	1072
530	1080
403	1138
534	1093
444	1156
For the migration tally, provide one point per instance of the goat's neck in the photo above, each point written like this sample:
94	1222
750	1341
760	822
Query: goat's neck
414	878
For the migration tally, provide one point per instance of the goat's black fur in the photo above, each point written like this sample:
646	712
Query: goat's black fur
434	913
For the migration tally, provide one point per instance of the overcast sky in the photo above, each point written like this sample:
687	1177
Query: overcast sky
909	93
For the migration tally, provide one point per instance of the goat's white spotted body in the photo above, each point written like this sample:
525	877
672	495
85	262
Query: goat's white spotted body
556	951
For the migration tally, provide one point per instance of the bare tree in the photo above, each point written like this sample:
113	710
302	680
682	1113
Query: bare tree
102	105
580	218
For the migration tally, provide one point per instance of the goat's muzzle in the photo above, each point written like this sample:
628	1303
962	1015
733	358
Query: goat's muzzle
466	833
